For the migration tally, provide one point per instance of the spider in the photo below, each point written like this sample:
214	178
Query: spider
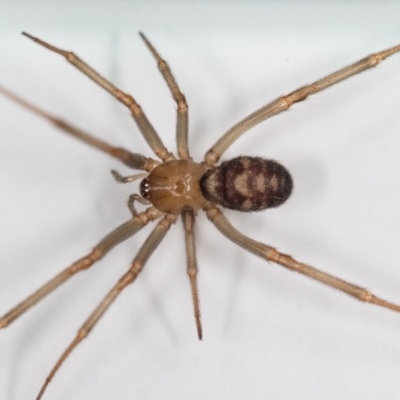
179	186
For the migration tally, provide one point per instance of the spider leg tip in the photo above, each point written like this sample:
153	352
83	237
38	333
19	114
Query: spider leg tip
144	37
117	176
200	334
29	36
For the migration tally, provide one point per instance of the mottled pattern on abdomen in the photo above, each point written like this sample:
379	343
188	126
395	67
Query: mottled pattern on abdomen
247	184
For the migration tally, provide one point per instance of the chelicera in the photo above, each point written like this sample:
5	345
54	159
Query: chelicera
179	186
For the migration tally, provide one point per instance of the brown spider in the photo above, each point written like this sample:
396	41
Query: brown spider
179	187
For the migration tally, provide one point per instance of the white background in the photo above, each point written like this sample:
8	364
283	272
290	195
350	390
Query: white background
268	333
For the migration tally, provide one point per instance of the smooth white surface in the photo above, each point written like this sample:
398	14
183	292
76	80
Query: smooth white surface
268	333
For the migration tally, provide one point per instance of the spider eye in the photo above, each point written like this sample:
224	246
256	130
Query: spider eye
145	188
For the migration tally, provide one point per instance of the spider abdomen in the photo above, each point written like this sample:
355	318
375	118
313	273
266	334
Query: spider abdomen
247	184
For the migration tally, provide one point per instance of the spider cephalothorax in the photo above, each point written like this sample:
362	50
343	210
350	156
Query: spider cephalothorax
174	185
180	187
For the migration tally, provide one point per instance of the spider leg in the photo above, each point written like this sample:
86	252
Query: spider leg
144	125
270	254
182	107
131	203
133	197
132	160
126	179
117	236
284	103
188	218
143	255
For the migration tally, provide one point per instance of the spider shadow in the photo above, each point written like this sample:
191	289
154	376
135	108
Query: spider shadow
156	305
237	277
